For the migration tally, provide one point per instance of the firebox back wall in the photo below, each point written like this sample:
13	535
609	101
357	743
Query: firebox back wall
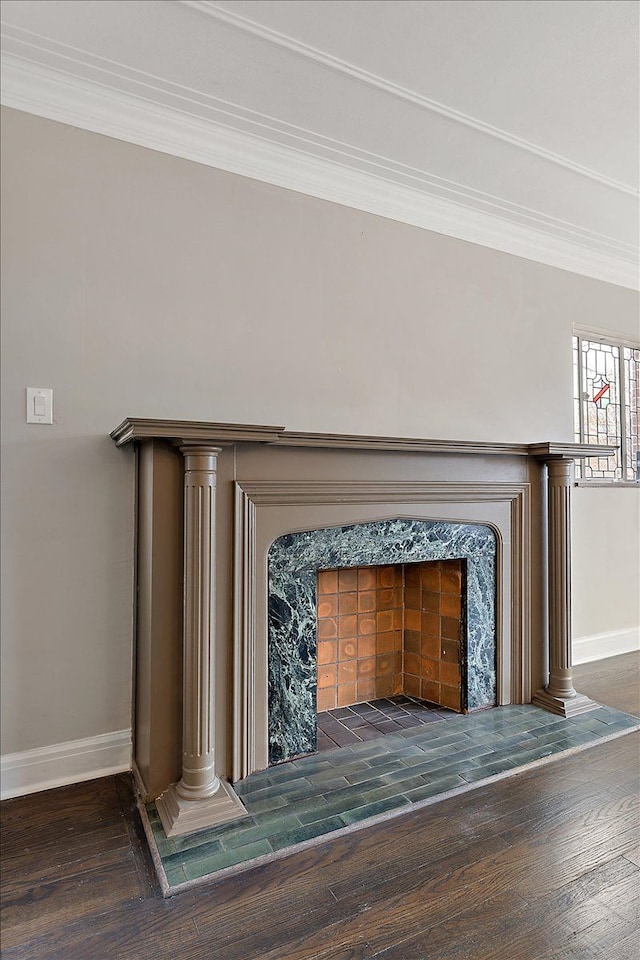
388	630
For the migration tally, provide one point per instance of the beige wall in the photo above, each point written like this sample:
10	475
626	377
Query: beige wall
606	563
139	284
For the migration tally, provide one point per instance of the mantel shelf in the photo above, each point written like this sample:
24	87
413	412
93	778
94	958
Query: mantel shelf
134	429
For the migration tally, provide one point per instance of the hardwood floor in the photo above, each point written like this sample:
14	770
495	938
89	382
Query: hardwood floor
544	866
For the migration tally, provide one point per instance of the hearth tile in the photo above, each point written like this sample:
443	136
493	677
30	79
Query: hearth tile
197	851
366	688
487	770
375	794
354	721
342	736
297	788
404	773
363	708
260	831
408	721
361	776
374	809
393	712
281	774
266	805
556	736
327	722
344	770
429	716
305	766
316	829
370	733
395	772
591	721
175	875
328	807
199	868
433	789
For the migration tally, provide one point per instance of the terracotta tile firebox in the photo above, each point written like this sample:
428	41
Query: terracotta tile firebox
389	630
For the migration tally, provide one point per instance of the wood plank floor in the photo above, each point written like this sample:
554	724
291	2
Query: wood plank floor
542	866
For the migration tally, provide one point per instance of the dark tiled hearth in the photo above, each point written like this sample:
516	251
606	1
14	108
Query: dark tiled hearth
301	801
376	718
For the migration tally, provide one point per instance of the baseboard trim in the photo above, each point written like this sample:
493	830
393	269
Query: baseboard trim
602	645
63	763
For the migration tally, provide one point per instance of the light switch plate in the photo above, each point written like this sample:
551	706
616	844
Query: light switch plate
39	405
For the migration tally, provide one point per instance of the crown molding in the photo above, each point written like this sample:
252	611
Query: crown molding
212	9
143	119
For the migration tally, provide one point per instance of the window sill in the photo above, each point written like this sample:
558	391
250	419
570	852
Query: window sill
614	484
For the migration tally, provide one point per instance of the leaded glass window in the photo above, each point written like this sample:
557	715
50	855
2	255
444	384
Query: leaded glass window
606	386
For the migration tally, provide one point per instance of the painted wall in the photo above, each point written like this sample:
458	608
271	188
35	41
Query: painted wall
139	284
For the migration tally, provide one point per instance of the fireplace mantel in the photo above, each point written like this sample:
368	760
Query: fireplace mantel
212	497
190	431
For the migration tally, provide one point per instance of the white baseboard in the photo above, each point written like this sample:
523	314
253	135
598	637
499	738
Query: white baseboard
601	645
64	763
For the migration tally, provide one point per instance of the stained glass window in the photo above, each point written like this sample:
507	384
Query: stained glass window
606	386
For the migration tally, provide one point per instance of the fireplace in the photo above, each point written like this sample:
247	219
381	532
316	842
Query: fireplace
234	522
390	560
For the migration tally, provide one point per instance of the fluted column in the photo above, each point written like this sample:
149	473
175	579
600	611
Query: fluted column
199	798
199	779
558	695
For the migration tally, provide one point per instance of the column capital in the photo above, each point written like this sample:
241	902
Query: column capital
200	456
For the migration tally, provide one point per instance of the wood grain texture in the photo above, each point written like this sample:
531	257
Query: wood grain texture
541	866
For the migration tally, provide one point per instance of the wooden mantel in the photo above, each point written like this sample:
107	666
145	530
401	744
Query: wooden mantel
216	492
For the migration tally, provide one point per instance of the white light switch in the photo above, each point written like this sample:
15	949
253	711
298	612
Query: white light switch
39	405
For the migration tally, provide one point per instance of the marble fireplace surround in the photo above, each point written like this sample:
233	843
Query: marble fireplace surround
211	499
293	562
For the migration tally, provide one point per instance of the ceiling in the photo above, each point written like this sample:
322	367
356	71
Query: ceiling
509	123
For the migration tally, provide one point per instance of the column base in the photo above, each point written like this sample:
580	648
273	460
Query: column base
180	816
564	706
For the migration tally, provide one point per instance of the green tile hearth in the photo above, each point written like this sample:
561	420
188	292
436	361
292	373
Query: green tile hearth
315	796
